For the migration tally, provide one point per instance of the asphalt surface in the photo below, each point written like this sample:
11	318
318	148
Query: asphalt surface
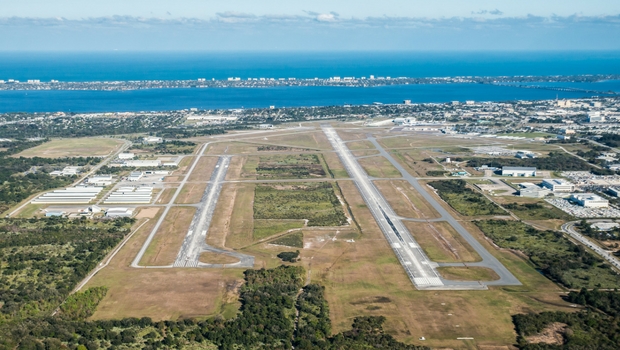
488	260
195	240
417	265
149	239
569	228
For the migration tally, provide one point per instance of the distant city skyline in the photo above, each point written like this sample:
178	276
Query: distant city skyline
309	25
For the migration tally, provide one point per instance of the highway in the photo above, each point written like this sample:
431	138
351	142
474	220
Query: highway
569	228
194	243
488	260
418	267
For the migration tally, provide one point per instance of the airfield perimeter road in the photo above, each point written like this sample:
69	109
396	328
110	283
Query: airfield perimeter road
195	241
569	228
488	260
416	264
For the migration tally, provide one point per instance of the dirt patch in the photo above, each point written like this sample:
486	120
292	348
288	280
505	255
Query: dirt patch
553	334
147	213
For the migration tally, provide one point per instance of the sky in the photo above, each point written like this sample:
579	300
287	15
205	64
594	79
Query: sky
134	25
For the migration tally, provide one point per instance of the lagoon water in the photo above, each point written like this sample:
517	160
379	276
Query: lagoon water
101	66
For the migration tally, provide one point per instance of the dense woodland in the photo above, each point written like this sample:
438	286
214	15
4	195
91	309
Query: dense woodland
553	254
464	200
277	312
611	140
595	328
555	161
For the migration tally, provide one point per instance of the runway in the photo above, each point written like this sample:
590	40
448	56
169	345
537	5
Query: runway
421	270
194	243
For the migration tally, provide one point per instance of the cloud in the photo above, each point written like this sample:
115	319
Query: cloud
327	17
496	12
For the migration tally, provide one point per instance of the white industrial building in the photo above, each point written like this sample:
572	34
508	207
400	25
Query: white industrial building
125	156
129	194
70	195
135	176
67	171
528	189
153	139
100	180
518	171
558	185
119	212
595	117
589	200
142	163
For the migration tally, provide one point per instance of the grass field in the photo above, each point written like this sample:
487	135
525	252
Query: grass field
166	196
284	166
163	294
215	258
316	202
532	208
233	219
378	167
191	193
167	241
73	147
295	240
335	167
360	145
405	200
267	228
204	169
441	242
413	161
468	273
311	140
528	134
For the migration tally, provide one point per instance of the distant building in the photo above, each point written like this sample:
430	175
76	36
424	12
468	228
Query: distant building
558	185
518	171
135	176
528	189
142	163
407	102
564	103
100	180
596	117
54	213
589	200
119	212
265	126
125	156
613	191
152	139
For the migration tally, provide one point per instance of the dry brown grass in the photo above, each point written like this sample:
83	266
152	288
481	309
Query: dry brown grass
412	161
405	200
191	193
312	140
167	241
441	242
334	165
162	294
235	167
470	273
233	219
215	258
378	167
73	147
166	195
360	145
147	213
204	169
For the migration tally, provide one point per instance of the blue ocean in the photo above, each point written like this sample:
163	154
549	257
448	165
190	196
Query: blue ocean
105	66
